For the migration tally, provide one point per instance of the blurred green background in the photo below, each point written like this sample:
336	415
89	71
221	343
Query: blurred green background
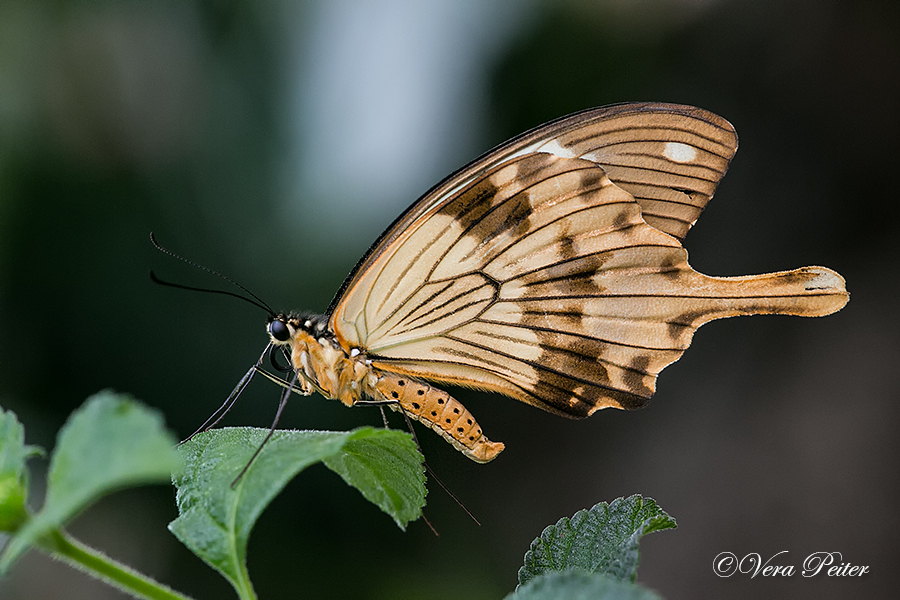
274	140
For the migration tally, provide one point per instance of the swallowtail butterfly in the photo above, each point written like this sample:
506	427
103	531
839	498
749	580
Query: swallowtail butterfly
550	269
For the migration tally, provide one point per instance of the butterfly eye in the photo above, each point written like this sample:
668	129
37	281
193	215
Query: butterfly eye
279	330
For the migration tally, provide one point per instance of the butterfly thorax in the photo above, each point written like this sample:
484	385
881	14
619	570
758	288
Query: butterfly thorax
321	362
323	365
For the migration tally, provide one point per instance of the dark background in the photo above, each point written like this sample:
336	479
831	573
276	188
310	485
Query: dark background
274	141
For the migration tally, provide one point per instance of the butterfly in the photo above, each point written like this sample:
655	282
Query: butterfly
550	269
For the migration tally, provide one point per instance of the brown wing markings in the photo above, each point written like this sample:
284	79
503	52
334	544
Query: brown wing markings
461	373
594	263
620	224
634	377
607	341
583	357
553	394
526	168
574	349
622	181
674	227
623	331
517	208
651	208
655	200
509	373
522	210
483	189
704	160
476	210
691	178
539	366
494	265
544	168
672	182
515	217
684	322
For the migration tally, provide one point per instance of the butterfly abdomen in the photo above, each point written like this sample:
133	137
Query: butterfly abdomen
350	378
440	411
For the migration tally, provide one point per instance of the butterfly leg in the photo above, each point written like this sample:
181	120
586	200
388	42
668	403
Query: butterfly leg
441	412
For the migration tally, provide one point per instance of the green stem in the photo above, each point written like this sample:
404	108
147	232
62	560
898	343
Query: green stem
64	547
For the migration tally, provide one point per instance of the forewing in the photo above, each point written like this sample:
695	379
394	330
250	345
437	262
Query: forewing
670	157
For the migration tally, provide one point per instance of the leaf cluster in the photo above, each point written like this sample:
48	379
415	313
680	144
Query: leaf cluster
113	442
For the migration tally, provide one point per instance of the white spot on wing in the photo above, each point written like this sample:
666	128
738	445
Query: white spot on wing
554	147
680	153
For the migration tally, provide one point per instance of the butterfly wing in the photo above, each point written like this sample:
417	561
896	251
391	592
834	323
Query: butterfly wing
532	273
670	157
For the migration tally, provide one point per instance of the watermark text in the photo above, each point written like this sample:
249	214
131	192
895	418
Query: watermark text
827	564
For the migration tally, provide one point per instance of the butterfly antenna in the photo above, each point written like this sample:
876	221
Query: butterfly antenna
253	299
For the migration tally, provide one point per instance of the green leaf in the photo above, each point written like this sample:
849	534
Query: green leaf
13	474
579	585
111	442
215	519
387	469
601	540
13	451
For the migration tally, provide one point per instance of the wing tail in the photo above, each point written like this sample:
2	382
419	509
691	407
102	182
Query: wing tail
804	292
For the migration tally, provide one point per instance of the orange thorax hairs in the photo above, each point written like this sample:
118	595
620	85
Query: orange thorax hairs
323	365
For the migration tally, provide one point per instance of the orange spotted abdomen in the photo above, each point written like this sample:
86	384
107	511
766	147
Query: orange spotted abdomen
441	412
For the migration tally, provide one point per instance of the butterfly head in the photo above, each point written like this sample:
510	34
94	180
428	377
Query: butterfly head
283	328
279	329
